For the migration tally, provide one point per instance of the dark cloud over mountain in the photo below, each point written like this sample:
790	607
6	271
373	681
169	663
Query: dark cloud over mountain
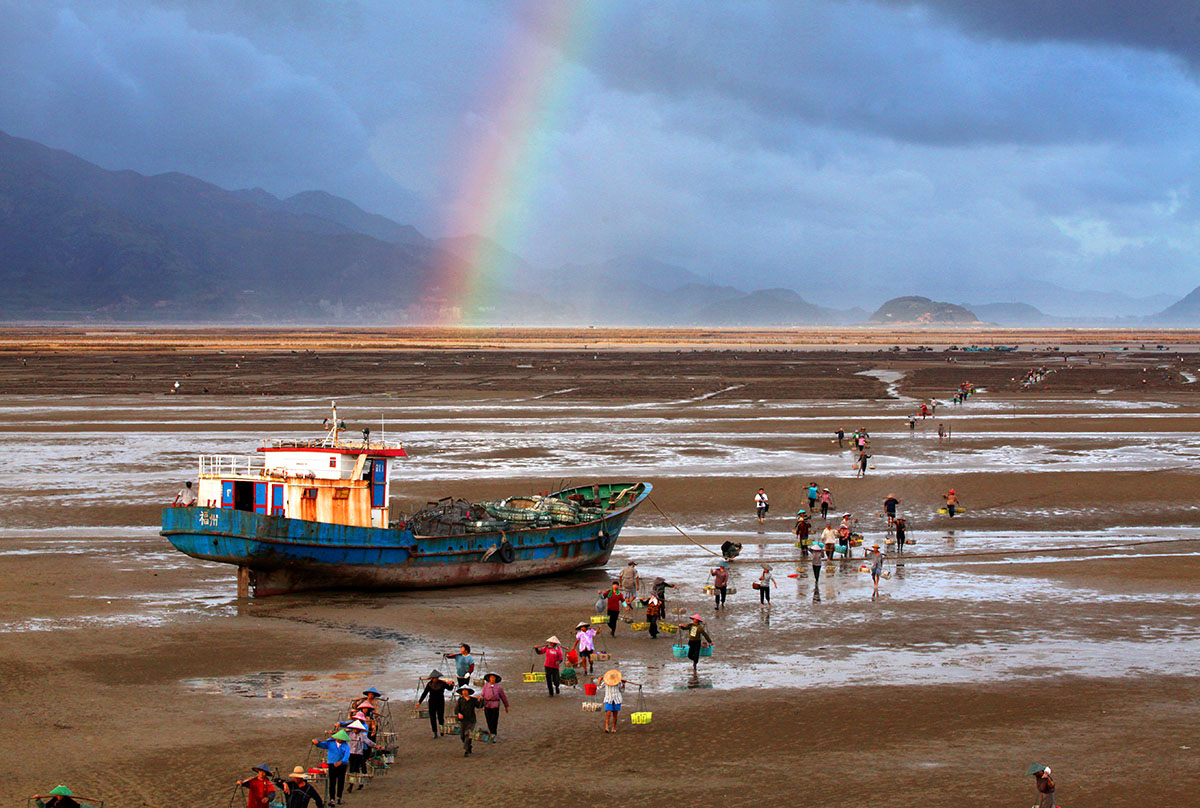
853	151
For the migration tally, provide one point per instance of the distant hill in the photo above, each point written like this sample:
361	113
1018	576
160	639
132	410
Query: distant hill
77	238
1009	313
921	311
1185	311
768	307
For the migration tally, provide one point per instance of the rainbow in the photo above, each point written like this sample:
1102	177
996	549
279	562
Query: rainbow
501	174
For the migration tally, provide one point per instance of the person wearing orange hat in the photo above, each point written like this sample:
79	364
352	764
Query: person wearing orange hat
951	502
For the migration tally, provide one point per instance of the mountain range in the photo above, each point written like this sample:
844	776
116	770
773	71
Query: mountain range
81	242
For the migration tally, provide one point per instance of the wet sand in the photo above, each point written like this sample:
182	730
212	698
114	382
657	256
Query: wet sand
1041	624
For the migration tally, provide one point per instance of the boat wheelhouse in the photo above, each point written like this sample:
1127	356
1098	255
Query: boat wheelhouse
329	480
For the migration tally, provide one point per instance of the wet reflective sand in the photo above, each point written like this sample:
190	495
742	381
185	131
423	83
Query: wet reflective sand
1068	586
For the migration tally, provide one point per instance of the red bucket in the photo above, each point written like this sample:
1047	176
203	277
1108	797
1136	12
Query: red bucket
589	690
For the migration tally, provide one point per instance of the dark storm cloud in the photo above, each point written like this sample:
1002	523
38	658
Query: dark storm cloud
146	90
1170	26
880	69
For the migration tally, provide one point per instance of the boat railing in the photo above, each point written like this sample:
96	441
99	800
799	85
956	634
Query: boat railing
232	466
327	443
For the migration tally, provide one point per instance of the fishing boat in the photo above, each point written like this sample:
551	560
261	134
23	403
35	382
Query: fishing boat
316	514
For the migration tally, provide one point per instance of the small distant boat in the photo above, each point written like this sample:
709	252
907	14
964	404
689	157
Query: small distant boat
315	514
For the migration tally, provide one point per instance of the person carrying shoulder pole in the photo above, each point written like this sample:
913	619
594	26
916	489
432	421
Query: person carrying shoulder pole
697	638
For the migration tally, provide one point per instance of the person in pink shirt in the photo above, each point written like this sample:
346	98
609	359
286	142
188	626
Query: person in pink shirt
493	696
552	660
585	642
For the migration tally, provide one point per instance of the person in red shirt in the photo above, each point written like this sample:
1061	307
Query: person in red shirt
552	660
612	599
259	787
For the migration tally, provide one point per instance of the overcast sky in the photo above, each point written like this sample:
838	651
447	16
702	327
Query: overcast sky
849	150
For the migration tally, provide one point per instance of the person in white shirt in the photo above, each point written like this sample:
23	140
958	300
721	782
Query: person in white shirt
186	498
761	505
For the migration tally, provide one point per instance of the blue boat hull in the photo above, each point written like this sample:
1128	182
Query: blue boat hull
287	555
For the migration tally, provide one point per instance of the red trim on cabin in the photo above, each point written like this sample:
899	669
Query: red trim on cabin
336	450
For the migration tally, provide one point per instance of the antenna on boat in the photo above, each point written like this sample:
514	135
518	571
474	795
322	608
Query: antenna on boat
333	425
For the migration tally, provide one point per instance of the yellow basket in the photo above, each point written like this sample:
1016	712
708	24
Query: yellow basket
639	626
597	619
668	628
640	718
534	677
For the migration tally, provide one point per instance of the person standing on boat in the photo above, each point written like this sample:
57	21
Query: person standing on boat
720	583
464	663
761	505
585	641
696	639
630	583
186	498
436	689
612	597
259	787
493	696
337	755
552	660
465	710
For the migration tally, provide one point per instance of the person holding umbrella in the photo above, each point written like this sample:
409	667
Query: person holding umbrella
493	696
436	689
298	791
697	636
259	787
1044	783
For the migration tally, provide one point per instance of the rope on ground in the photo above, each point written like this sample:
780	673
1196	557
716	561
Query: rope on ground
677	527
1120	546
